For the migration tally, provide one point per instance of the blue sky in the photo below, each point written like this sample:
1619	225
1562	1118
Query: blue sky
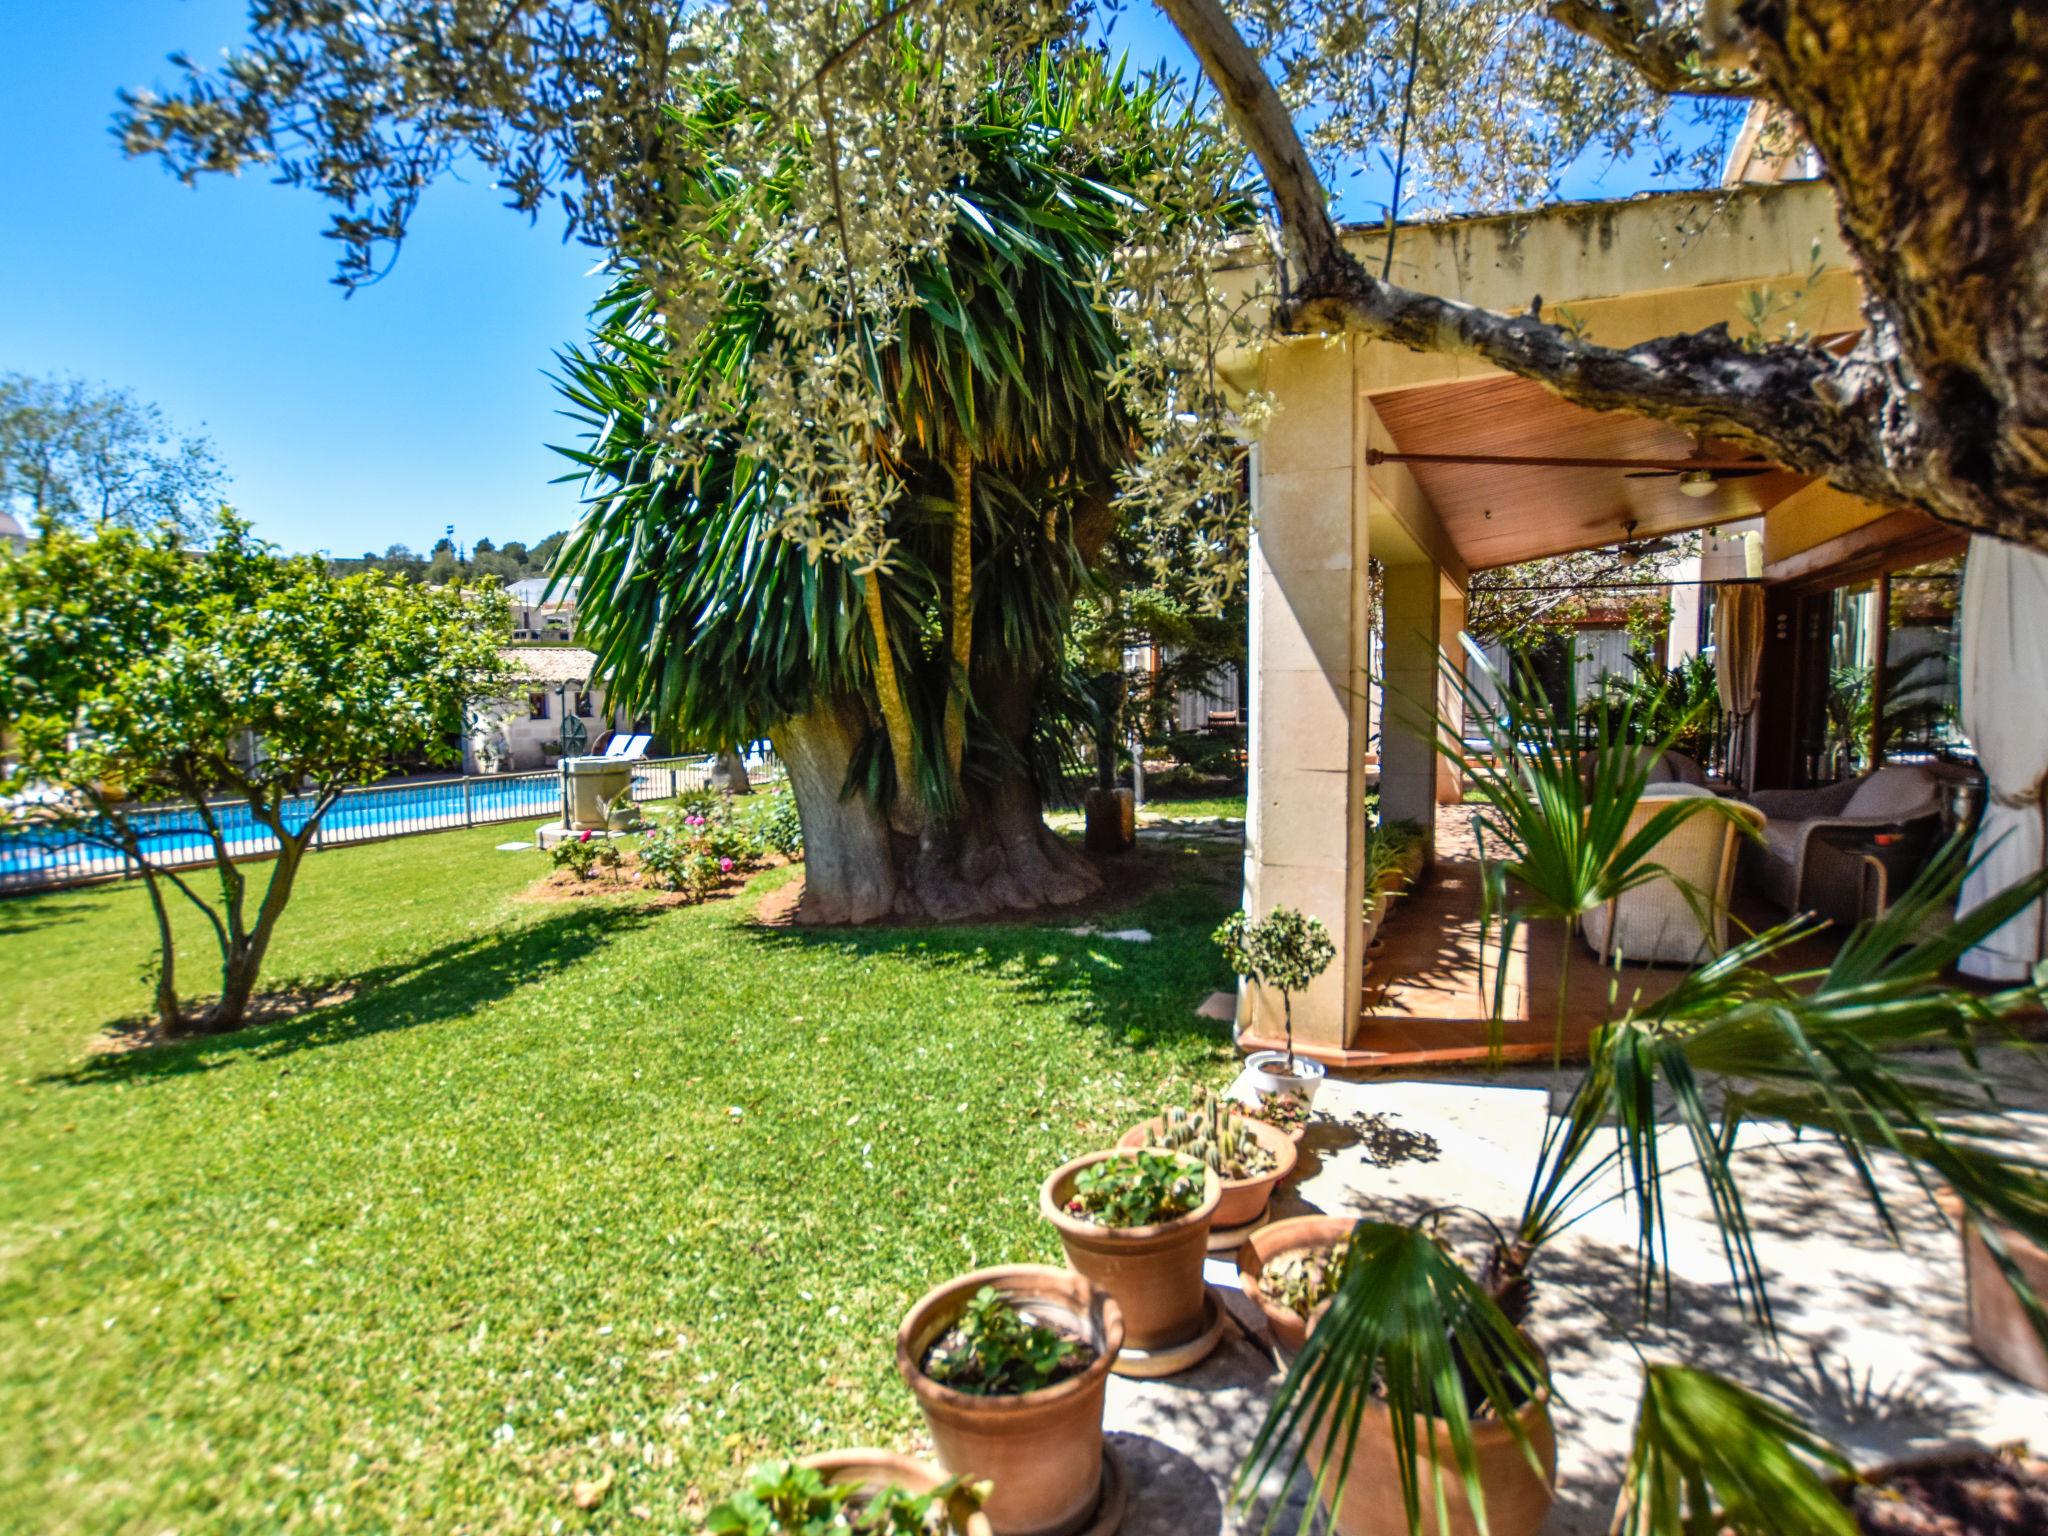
347	424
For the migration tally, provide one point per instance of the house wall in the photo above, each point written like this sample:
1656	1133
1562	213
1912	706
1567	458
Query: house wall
533	743
1631	271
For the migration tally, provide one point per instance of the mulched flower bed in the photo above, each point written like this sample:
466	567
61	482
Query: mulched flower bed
1998	1493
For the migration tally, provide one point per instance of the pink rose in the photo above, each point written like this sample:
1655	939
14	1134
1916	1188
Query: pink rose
585	837
725	866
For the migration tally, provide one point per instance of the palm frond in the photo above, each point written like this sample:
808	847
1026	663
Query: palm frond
1711	1458
1411	1333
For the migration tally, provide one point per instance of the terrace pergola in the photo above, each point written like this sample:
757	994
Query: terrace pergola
1437	466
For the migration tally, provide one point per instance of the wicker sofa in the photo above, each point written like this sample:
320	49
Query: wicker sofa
1809	857
1661	920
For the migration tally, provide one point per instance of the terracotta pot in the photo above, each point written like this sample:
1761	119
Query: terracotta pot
1241	1200
1517	1499
1298	1234
1154	1272
875	1470
1041	1450
2000	1328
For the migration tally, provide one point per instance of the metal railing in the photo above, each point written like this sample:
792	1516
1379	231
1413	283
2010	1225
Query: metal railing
175	836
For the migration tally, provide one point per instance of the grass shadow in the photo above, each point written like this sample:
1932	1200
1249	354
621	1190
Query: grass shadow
1138	993
444	983
28	914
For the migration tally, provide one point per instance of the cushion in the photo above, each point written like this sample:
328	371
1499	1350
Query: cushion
1674	790
1893	792
1781	838
1683	768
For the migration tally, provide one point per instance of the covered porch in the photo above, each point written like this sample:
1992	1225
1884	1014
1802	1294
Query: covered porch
1389	477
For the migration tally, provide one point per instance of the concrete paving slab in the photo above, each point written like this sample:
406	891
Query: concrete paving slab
1872	1347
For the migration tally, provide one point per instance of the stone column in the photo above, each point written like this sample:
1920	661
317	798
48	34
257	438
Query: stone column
1412	678
1305	823
1450	700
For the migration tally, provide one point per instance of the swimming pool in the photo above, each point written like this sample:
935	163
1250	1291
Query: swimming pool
177	834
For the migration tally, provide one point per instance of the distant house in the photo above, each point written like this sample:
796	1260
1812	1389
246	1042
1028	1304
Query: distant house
541	614
553	706
12	535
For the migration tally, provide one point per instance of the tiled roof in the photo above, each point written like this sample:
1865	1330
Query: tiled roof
549	663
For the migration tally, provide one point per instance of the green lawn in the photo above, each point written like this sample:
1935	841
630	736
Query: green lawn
563	1187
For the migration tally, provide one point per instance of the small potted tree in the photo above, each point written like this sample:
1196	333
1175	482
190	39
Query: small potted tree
1136	1223
1009	1367
1285	951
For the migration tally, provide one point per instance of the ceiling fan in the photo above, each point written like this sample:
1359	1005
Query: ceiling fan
1701	479
1632	552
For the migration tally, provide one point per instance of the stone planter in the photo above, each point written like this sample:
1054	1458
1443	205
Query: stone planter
592	782
1240	1201
1518	1498
2000	1328
1298	1234
875	1470
1154	1272
1041	1450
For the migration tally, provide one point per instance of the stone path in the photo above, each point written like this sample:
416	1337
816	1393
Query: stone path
1873	1349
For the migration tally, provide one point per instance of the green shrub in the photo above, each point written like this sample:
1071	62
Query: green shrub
586	855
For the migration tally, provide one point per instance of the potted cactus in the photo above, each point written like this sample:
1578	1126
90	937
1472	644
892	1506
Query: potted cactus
1286	951
1009	1367
1249	1158
1291	1268
1136	1223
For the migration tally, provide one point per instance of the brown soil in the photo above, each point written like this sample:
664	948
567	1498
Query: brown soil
141	1034
1992	1493
630	880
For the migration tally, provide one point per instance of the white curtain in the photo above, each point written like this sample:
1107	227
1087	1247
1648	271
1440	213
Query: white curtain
1738	652
2005	713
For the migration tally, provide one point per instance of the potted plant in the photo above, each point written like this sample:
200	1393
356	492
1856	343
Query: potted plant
1136	1223
1286	951
1008	1366
1291	1268
1288	1113
1248	1157
2001	1329
620	813
1419	1399
851	1493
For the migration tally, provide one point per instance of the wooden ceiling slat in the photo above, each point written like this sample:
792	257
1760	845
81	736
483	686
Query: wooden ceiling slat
1502	514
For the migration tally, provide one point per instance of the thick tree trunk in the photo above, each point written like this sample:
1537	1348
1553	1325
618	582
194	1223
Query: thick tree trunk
997	856
729	774
849	854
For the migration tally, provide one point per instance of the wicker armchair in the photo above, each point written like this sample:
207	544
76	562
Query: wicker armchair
1661	919
1810	857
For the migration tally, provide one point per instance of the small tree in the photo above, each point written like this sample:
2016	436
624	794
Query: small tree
1284	950
135	670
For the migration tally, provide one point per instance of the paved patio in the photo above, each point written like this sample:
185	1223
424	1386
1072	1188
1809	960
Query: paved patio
1873	1349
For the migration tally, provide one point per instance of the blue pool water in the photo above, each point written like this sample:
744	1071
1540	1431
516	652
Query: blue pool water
176	833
